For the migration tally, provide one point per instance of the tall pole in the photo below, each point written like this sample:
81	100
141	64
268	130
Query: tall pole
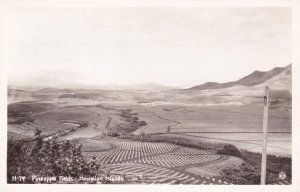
264	144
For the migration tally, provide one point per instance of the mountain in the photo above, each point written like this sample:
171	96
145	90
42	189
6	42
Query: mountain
281	81
67	79
141	86
46	79
42	81
150	86
256	78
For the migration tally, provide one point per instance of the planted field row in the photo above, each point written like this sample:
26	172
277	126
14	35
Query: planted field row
142	170
170	160
146	147
156	162
118	156
189	150
162	160
160	175
158	154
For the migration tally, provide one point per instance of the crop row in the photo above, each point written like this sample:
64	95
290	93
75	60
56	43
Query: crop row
164	160
170	160
189	150
118	156
146	147
161	175
158	162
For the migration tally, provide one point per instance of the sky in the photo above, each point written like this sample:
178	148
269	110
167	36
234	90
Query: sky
181	46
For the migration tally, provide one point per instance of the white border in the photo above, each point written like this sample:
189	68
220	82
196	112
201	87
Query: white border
295	4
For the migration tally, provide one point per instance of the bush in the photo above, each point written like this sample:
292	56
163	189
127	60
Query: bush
51	159
112	134
83	124
141	123
244	174
131	125
229	150
126	113
274	164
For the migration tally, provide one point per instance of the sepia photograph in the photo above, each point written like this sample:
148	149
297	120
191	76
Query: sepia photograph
173	95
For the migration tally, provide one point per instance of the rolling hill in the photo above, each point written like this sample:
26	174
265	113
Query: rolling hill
279	76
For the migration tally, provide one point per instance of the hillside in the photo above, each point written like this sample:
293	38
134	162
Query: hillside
277	75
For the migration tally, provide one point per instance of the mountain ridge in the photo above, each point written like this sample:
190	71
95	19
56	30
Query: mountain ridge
254	78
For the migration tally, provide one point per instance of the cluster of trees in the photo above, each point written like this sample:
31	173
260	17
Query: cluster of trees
49	159
131	124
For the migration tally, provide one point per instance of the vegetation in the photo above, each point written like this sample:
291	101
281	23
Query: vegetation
131	124
275	164
244	174
112	134
49	159
249	172
230	150
83	124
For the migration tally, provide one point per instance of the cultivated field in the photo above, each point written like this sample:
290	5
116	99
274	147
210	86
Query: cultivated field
99	122
238	125
163	162
157	162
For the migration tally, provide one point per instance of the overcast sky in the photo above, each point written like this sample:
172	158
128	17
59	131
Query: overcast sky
171	46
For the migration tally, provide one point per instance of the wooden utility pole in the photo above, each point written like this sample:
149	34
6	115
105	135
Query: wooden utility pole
264	144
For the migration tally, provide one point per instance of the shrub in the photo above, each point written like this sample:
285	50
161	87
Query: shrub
275	164
229	149
83	124
141	123
244	174
125	115
51	159
112	134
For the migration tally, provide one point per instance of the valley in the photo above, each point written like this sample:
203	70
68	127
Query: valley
165	135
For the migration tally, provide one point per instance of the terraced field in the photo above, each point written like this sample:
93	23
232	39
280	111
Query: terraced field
160	163
156	162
